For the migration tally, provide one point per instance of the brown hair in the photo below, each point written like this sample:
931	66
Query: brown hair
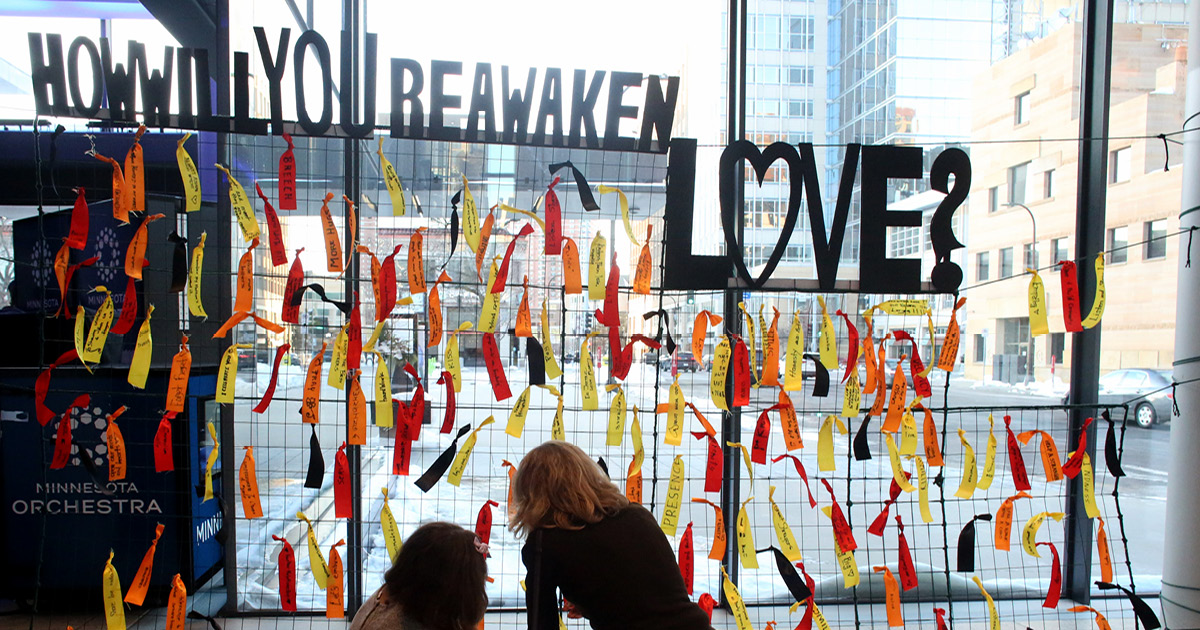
439	578
558	485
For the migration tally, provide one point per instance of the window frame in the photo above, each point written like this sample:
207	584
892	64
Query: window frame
1154	247
982	266
1021	108
1118	253
1006	273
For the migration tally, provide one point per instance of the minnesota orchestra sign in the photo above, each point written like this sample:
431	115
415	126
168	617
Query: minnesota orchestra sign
564	114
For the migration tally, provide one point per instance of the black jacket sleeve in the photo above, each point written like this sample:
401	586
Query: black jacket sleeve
541	600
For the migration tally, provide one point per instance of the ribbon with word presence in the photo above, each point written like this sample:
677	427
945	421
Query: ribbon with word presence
194	296
335	607
114	611
1074	464
670	517
274	230
316	462
42	386
1143	611
1055	590
1101	620
177	383
1051	464
1004	520
464	454
392	181
188	175
1038	321
391	534
745	537
241	207
269	395
176	604
966	488
115	443
812	499
825	459
141	580
1016	462
286	566
135	252
1029	533
783	532
213	454
1070	296
949	352
315	559
989	459
895	616
248	484
164	460
737	607
993	616
719	536
966	544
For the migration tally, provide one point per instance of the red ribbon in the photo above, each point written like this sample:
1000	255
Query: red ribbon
342	504
715	462
610	315
128	310
416	406
402	450
62	442
67	281
491	357
483	522
553	221
354	333
295	279
164	459
880	522
812	500
1070	296
1075	464
502	272
387	278
447	379
852	353
623	358
741	374
270	393
807	619
940	613
77	239
762	435
42	385
287	192
908	571
841	529
1055	591
915	365
287	575
1016	462
274	231
687	559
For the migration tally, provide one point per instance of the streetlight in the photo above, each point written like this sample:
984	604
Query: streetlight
1033	252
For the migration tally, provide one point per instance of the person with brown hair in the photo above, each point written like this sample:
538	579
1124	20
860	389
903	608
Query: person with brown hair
436	583
584	538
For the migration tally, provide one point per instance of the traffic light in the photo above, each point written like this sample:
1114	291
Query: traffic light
691	297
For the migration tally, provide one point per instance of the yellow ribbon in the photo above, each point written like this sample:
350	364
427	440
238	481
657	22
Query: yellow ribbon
464	454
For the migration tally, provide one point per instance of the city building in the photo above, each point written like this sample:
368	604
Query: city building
1030	99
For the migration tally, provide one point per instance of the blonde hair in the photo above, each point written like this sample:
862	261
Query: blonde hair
558	485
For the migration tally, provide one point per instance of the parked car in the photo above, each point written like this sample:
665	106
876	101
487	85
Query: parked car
1135	386
685	361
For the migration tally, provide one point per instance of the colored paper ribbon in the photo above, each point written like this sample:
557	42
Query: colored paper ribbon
164	458
464	454
470	217
745	537
966	488
335	607
1111	456
269	394
1029	533
670	517
1016	462
737	607
895	616
686	560
115	443
286	566
989	459
516	417
188	175
342	495
843	535
825	459
315	559
1050	460
993	616
1038	321
812	499
213	454
392	181
141	580
1097	310
719	536
416	263
1004	519
241	207
788	545
248	484
793	374
176	604
114	611
1055	590
949	353
42	386
195	272
966	544
315	478
1070	296
1074	463
391	534
827	340
274	231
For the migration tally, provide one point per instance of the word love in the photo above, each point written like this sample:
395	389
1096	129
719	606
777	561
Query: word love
877	273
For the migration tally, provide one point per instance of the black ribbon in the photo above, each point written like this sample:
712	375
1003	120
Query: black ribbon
453	226
315	287
316	462
581	184
1144	612
442	463
966	544
795	584
536	360
821	386
179	262
101	480
1111	458
664	327
862	451
211	621
603	466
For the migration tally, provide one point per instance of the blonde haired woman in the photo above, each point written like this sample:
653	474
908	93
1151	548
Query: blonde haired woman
584	538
